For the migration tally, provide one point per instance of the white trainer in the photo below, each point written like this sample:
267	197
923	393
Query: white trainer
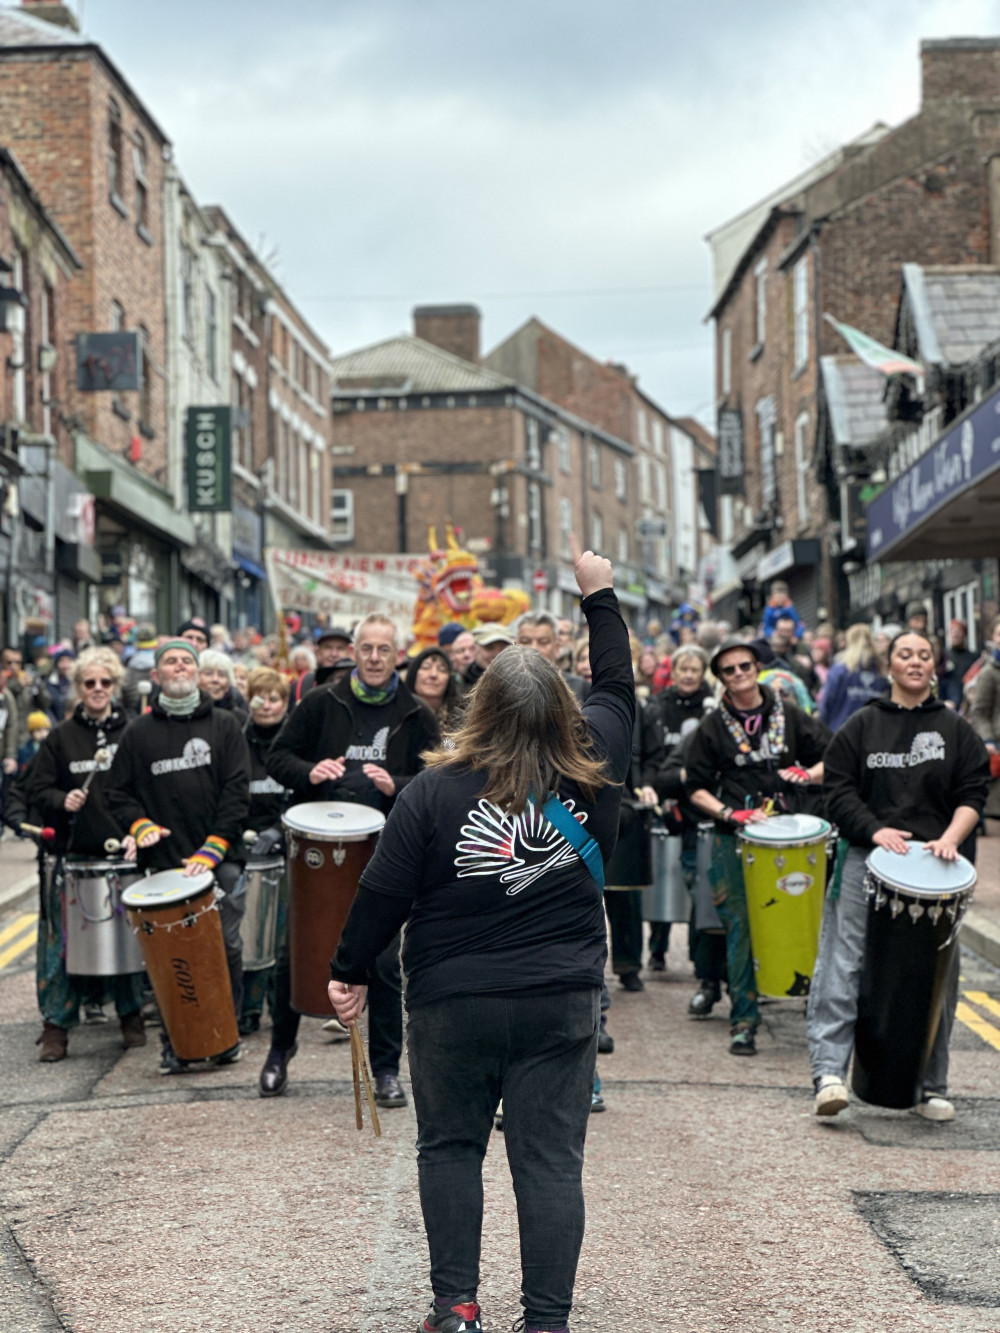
935	1108
831	1095
336	1028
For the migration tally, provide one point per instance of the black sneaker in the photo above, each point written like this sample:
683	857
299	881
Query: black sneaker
743	1042
171	1062
631	981
389	1091
704	1000
463	1318
248	1024
657	963
605	1042
231	1057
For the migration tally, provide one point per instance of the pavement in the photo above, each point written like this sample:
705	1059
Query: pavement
133	1203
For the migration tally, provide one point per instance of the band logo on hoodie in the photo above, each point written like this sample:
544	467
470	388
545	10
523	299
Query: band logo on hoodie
926	746
197	753
518	849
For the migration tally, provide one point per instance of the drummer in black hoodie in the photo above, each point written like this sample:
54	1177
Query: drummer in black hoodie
361	741
78	750
899	768
179	785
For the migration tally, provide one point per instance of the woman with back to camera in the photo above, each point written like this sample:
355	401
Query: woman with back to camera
854	678
901	768
504	953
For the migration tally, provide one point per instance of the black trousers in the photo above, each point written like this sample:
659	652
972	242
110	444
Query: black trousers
538	1053
624	909
385	1009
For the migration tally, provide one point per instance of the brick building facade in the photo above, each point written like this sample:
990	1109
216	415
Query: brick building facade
835	242
423	436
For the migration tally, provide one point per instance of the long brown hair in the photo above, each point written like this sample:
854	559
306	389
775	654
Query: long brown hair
524	729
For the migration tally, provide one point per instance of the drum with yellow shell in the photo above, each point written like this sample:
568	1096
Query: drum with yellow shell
784	868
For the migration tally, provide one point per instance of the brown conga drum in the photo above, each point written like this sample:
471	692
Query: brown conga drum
177	922
329	845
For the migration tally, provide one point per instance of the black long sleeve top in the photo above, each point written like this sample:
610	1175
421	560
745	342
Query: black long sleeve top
497	903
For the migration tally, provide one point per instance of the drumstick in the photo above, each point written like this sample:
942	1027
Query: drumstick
112	845
357	1078
46	834
358	1052
100	757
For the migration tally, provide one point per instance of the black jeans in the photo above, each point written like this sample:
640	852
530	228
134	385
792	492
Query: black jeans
537	1053
385	1009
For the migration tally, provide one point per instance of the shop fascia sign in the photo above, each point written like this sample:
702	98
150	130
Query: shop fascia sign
968	452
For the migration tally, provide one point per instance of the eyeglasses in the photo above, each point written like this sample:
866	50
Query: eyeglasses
734	667
93	684
376	650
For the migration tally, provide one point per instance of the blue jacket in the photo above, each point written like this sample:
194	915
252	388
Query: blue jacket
847	691
772	614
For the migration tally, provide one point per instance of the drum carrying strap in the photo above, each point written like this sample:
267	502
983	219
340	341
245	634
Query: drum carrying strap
837	870
575	834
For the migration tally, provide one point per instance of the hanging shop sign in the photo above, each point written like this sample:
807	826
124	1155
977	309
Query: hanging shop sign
209	459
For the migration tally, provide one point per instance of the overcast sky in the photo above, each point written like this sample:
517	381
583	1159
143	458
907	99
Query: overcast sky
558	158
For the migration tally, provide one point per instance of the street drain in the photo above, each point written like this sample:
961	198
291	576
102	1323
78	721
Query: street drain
948	1244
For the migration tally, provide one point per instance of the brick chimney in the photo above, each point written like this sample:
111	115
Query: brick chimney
454	328
61	15
961	67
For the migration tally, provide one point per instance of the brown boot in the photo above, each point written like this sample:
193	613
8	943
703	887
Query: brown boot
53	1043
133	1031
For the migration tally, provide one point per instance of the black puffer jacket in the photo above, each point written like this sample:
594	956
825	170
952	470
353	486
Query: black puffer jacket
64	760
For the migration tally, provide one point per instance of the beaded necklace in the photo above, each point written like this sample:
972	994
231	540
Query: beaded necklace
771	743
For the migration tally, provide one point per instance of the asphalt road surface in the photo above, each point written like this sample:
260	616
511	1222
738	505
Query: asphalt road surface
134	1203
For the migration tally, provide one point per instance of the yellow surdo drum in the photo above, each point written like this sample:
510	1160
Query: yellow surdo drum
784	868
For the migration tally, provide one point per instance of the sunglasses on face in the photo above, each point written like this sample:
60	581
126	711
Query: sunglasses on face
92	684
734	667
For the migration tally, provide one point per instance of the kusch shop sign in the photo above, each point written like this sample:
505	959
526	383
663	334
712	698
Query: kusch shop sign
209	459
967	453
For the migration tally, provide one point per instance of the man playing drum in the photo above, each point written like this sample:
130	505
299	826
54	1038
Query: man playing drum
902	768
65	787
360	741
179	785
753	746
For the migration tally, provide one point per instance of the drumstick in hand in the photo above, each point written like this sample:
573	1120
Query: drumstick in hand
101	757
358	1055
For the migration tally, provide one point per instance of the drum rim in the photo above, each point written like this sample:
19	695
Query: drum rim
329	835
102	867
944	891
265	863
207	876
810	840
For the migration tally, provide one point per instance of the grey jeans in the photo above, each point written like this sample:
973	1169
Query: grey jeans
833	995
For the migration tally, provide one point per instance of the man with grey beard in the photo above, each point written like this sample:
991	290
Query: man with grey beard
180	785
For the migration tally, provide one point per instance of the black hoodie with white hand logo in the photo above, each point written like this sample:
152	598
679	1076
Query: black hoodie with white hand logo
905	768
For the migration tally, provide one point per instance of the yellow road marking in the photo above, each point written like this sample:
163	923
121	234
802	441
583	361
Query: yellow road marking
984	1001
20	945
17	926
979	1026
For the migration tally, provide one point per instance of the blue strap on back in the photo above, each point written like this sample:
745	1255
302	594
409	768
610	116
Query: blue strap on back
576	835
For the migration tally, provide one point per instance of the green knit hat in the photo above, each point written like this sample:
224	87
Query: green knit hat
175	643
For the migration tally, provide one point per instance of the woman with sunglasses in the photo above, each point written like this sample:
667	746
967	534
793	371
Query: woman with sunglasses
82	747
753	747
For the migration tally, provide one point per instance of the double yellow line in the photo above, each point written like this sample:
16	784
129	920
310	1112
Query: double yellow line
17	938
982	1027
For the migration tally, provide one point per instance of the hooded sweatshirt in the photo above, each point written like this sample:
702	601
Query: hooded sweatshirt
905	768
63	763
189	774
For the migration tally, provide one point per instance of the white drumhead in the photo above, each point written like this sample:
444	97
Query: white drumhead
921	873
166	888
781	830
334	821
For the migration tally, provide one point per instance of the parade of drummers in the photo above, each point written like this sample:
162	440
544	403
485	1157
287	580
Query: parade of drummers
499	667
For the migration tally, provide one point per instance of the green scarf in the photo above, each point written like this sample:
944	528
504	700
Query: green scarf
366	695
